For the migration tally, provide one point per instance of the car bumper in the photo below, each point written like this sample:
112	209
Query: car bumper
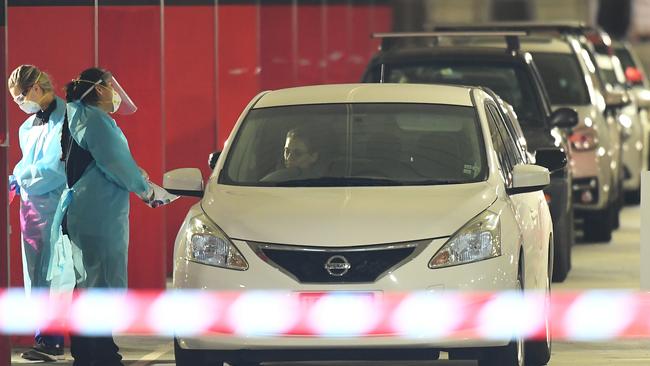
494	274
589	167
632	164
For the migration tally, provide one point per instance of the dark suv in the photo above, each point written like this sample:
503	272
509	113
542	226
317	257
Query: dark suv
514	77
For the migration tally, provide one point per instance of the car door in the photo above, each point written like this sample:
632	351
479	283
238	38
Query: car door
526	206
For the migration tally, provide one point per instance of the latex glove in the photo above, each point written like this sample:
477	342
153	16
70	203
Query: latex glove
158	196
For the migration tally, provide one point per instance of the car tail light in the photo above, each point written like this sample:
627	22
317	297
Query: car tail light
583	140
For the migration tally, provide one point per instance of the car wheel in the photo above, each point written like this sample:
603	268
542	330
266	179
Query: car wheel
620	202
633	197
538	352
562	251
598	225
186	357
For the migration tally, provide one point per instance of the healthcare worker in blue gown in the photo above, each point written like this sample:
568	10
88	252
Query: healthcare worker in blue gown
94	209
39	179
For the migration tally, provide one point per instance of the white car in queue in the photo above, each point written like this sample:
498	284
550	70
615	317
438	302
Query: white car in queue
366	188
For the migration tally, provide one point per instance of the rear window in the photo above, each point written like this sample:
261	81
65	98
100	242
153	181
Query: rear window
563	78
511	83
625	57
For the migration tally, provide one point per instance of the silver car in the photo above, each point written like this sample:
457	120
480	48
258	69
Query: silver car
571	80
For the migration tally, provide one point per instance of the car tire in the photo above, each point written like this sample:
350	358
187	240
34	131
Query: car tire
538	352
598	225
186	357
562	252
633	197
620	202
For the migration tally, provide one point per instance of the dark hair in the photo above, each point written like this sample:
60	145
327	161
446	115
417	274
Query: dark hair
73	91
308	137
77	87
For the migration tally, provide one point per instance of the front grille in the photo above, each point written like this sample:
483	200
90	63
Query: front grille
337	265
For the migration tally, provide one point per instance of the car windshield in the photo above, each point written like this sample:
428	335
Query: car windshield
360	144
563	78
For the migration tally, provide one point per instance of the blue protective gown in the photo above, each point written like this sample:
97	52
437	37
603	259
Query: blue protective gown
40	178
97	205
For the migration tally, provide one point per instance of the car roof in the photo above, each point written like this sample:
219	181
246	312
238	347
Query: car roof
368	93
546	44
410	54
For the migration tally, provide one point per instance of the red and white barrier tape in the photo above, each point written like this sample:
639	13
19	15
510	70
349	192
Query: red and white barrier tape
590	315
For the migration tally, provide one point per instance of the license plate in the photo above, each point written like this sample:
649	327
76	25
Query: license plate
310	298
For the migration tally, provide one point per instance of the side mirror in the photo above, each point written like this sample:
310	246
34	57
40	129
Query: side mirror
551	158
212	159
528	178
633	75
615	99
184	182
564	118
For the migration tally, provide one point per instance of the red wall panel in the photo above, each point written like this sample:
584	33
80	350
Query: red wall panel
238	55
130	47
311	55
382	21
278	47
337	45
63	54
360	22
190	100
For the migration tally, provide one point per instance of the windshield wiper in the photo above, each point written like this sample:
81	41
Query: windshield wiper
339	182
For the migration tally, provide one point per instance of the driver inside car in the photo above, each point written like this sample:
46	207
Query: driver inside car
300	157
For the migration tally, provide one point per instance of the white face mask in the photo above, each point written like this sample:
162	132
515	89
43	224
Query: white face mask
117	100
29	107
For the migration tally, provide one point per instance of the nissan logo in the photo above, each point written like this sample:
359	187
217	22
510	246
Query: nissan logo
337	265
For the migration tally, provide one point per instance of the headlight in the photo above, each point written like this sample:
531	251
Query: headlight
479	239
583	140
207	244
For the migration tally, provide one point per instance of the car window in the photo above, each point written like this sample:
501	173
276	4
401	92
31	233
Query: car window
562	78
498	142
510	82
512	150
606	70
361	144
517	135
626	57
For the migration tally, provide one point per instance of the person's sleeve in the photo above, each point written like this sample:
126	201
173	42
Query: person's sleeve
105	143
47	173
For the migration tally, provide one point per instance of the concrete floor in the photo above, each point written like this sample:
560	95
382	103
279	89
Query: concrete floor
614	265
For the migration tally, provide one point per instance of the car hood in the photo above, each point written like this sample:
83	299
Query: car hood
344	216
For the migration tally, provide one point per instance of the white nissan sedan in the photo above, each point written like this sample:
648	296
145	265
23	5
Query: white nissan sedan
371	189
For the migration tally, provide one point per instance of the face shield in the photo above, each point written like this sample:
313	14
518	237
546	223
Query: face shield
122	103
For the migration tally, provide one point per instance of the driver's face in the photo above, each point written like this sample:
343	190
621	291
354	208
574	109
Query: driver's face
297	155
